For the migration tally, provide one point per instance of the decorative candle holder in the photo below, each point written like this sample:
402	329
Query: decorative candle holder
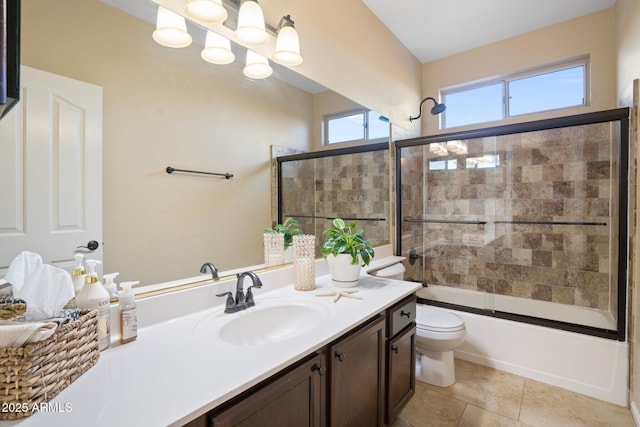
273	249
304	262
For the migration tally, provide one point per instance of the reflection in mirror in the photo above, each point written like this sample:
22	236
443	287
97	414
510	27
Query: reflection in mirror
352	184
167	107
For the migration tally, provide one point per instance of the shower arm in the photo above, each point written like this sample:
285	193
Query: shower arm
436	109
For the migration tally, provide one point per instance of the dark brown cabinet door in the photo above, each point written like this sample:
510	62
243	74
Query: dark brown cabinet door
356	371
295	398
401	378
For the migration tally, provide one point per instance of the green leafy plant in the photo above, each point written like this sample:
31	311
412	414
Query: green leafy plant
290	227
346	239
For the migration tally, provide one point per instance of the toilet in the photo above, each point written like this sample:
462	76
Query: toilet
438	333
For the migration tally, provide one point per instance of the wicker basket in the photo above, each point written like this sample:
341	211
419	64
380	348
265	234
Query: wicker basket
35	373
11	308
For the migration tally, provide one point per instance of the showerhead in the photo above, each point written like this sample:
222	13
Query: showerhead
435	110
438	108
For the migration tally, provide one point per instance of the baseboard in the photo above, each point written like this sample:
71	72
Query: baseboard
635	414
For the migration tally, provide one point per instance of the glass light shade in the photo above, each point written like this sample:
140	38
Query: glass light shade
217	49
171	29
287	47
250	28
257	66
206	10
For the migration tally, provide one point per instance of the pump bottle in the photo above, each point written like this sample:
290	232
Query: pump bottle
78	273
93	296
110	284
127	313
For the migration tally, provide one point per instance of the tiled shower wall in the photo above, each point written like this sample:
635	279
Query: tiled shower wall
347	186
538	221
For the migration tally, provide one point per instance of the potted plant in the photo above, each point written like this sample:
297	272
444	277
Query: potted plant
290	227
346	250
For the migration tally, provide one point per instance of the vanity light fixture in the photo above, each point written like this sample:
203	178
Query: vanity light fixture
217	49
171	29
438	149
457	147
257	66
435	110
210	11
287	43
251	28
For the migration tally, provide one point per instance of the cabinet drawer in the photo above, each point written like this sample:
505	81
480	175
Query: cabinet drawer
402	314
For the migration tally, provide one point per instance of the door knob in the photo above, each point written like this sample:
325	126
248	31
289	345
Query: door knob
92	245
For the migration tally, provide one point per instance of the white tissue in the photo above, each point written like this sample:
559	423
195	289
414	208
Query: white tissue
21	267
46	291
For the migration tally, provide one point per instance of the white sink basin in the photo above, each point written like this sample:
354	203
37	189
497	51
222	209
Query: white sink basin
266	323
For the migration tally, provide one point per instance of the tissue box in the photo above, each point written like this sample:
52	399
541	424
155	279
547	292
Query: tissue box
33	374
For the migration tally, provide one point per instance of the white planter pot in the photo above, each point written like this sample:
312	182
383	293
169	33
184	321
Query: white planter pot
343	273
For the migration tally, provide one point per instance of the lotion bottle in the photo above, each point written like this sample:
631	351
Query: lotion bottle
127	313
93	296
110	284
78	274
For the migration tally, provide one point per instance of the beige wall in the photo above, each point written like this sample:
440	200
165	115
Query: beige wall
628	62
166	107
348	49
592	34
628	47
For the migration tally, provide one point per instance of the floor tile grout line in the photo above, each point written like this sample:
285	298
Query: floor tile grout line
524	386
462	413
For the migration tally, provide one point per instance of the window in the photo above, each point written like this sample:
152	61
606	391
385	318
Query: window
544	89
355	125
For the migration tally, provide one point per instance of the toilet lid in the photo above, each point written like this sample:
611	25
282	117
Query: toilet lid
436	319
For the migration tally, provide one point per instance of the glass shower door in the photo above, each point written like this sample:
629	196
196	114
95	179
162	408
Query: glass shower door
525	222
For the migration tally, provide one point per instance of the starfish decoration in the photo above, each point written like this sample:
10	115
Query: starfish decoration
340	293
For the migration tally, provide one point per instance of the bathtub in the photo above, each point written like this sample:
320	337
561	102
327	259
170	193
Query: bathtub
593	366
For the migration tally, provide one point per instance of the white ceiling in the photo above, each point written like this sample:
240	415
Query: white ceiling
434	29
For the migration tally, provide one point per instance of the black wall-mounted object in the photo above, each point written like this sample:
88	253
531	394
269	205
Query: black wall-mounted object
9	55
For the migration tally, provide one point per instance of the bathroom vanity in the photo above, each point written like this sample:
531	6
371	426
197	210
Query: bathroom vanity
192	364
364	378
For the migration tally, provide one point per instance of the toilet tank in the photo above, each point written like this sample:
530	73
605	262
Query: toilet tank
394	271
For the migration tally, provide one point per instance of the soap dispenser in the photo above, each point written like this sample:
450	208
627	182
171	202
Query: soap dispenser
110	284
127	313
78	273
93	296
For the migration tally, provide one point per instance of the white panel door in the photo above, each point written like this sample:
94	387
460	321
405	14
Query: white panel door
51	170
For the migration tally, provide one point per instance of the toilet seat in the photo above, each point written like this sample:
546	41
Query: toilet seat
437	320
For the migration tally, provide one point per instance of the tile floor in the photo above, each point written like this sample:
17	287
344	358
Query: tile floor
484	396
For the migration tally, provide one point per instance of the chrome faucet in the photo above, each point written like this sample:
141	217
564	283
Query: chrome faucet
241	302
210	266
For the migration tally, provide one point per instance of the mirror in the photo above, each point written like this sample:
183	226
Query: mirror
350	184
167	107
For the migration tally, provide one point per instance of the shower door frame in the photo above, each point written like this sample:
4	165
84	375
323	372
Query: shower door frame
620	115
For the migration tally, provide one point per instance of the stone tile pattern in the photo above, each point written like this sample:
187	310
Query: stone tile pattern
347	186
484	396
557	175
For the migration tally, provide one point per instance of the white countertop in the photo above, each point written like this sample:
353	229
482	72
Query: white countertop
172	374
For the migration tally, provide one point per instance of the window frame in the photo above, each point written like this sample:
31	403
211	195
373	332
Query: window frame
326	118
505	79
